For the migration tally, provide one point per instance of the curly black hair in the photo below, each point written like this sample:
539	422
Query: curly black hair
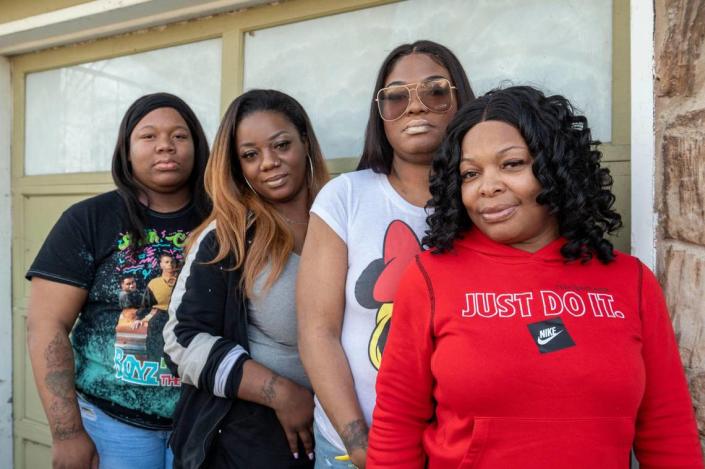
566	162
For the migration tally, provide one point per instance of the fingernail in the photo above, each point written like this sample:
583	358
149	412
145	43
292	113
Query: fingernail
296	455
310	456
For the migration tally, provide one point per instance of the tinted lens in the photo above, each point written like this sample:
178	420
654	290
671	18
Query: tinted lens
435	94
392	102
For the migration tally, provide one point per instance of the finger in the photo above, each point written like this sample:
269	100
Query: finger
307	440
293	443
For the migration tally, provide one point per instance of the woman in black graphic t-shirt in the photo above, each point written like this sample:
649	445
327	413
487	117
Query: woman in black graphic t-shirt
107	392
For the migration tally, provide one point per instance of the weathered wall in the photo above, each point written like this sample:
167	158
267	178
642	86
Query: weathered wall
680	179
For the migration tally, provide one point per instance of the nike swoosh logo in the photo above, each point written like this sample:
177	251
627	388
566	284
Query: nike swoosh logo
548	339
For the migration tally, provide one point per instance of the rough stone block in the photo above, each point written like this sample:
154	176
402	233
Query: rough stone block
683	279
683	163
680	49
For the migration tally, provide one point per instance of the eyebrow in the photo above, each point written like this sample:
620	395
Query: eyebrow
500	152
432	77
272	137
150	126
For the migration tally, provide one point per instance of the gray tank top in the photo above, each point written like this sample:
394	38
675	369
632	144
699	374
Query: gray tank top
272	324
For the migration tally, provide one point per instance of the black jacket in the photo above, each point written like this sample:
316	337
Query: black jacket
206	341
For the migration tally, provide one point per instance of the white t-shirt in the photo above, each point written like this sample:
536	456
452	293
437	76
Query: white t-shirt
382	232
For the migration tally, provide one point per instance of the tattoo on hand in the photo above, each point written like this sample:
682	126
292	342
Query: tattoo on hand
59	381
354	435
268	392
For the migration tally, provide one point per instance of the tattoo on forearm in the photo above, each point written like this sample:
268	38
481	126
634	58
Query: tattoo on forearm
354	435
268	391
59	381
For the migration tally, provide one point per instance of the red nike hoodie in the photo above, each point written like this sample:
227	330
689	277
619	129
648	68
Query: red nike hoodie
500	358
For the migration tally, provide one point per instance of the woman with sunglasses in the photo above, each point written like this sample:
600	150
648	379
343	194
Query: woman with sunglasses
522	339
365	226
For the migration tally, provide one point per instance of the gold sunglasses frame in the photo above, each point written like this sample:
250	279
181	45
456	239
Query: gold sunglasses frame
415	87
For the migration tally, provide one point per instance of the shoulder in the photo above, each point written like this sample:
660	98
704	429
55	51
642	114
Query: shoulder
205	247
431	260
206	238
362	179
624	266
98	216
102	203
350	182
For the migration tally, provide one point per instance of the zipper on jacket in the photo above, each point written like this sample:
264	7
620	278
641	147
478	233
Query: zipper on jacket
207	439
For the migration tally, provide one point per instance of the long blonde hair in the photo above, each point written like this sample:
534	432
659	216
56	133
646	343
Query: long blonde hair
236	208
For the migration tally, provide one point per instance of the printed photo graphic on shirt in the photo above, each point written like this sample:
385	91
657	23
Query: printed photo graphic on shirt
376	286
550	335
147	275
546	303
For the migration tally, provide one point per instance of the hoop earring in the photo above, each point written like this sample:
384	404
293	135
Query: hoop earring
310	165
250	185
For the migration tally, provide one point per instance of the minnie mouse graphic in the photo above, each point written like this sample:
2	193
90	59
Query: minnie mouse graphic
376	286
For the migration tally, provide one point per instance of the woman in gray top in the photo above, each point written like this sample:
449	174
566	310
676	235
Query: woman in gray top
232	319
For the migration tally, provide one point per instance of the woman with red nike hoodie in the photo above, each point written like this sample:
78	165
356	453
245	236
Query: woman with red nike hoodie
522	338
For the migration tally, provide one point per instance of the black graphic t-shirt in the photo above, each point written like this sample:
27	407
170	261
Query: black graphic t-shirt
117	339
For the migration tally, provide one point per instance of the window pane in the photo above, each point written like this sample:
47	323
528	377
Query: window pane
73	113
330	64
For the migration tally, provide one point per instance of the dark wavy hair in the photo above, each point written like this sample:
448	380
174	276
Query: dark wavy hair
128	187
377	152
566	162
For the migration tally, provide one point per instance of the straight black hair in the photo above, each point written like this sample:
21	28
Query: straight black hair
377	153
128	187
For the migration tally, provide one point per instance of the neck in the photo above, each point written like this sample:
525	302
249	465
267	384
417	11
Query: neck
295	212
296	209
543	239
166	202
410	180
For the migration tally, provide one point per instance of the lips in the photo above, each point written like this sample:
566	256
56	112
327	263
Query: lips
276	180
166	165
417	126
497	213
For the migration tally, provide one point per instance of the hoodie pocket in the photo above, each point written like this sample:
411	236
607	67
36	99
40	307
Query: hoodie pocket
478	443
540	443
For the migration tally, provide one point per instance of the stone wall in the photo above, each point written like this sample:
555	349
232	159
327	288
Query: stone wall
680	179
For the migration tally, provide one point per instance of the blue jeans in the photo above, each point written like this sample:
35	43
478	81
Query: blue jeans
326	453
123	446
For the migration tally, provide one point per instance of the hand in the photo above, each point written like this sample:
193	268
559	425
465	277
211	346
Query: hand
77	452
293	406
358	458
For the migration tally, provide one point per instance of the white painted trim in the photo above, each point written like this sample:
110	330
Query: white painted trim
101	18
643	140
65	14
5	268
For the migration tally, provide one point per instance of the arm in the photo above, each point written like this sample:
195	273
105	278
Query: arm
194	342
404	404
666	435
53	309
320	311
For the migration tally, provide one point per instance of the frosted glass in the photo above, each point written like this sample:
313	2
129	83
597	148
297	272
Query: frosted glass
329	64
73	113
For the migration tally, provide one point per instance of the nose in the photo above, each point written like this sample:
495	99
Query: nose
415	104
165	144
491	184
270	160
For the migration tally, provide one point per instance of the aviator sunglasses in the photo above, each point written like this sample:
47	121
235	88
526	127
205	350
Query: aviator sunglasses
436	95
